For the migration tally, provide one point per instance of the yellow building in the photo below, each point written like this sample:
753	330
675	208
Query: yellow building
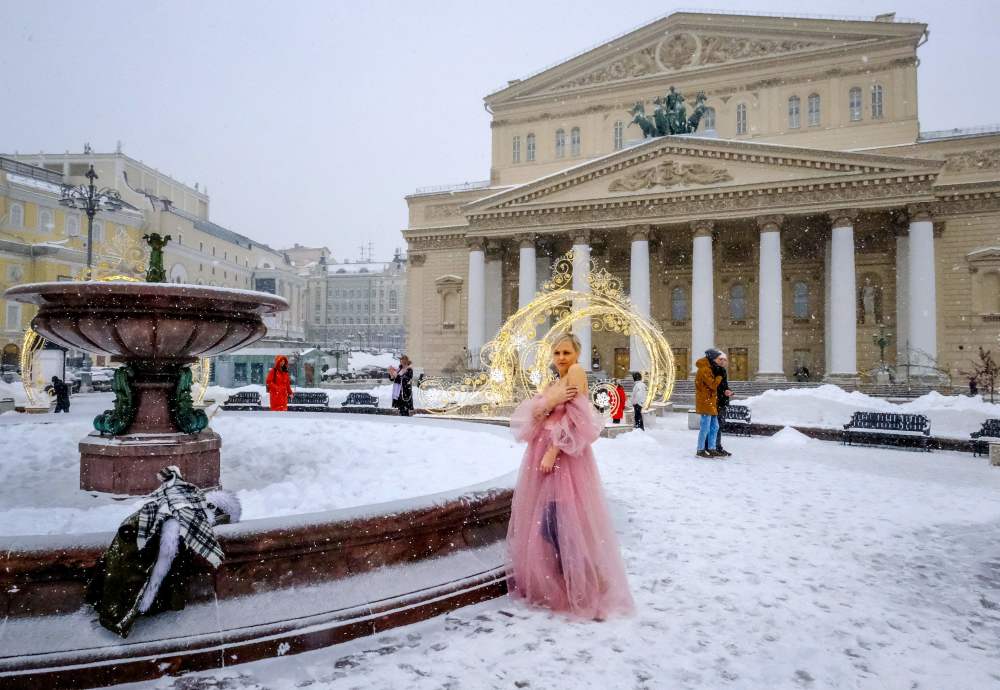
805	212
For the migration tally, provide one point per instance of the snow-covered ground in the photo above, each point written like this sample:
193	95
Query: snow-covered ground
795	564
279	465
951	416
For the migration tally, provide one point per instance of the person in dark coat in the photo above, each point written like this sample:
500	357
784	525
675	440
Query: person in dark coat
973	386
402	386
719	366
61	391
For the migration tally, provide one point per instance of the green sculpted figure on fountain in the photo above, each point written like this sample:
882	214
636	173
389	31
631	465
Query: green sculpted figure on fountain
116	421
155	273
187	419
670	115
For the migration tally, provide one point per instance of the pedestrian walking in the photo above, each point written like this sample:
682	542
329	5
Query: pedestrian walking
279	384
638	398
720	366
706	403
618	407
61	390
973	386
402	386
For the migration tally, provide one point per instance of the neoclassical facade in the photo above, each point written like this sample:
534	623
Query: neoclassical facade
807	215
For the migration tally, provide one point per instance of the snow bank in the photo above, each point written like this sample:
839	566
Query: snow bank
829	406
13	390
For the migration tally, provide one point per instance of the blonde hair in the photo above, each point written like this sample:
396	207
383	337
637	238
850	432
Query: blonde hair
577	346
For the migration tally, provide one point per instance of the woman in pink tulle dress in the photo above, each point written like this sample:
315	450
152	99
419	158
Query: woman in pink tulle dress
563	550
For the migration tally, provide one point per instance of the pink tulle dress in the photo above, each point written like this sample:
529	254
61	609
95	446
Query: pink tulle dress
562	547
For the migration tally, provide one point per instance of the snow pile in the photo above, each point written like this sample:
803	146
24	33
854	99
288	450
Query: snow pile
359	359
829	406
13	390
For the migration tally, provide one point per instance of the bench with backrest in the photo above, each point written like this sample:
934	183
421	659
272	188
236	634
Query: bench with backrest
308	401
888	428
359	400
736	420
244	400
981	439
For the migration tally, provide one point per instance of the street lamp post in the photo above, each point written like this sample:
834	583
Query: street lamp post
89	199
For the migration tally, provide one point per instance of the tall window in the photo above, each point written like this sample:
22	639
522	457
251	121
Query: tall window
16	215
738	302
800	301
854	101
531	147
393	304
45	220
560	143
708	119
619	136
794	113
878	102
678	304
98	231
574	141
72	225
741	118
814	110
516	150
13	317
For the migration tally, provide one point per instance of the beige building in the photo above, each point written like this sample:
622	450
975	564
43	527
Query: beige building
806	212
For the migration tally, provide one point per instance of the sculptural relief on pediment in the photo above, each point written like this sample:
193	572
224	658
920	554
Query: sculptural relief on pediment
669	174
682	50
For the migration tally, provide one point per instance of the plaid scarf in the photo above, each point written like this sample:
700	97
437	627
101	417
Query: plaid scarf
185	503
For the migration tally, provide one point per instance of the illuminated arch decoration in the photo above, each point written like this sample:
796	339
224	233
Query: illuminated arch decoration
515	364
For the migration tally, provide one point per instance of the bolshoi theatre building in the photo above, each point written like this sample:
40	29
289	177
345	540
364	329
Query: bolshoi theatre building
804	216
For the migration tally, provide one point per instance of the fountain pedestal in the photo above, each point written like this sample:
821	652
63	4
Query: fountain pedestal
128	464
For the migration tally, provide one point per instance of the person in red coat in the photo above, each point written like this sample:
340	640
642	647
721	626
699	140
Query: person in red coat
279	384
618	408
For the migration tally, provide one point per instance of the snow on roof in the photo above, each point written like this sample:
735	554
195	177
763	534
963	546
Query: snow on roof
33	183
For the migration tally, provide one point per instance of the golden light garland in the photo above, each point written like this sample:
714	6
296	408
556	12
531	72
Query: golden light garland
515	364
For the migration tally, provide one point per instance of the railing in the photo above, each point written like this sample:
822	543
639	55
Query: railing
25	170
959	132
462	187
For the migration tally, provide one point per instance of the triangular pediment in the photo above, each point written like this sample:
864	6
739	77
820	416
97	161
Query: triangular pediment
697	165
686	43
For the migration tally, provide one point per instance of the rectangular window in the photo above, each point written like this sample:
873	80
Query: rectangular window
814	110
516	150
741	118
855	104
531	147
794	114
13	322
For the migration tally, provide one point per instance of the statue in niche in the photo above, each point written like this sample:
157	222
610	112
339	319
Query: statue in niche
869	302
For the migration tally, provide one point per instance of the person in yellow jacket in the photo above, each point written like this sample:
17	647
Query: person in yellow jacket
706	403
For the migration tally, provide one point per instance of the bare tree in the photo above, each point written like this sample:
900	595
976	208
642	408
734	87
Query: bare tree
985	371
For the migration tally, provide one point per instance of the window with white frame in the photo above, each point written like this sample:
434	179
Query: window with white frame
531	147
560	143
72	225
800	300
878	102
708	120
854	103
16	215
794	113
46	220
678	304
574	141
515	153
393	303
98	231
619	135
741	118
814	110
13	316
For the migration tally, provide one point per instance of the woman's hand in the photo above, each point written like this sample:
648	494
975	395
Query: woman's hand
558	395
549	460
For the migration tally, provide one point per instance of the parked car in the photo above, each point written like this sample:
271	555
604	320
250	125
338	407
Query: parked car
100	378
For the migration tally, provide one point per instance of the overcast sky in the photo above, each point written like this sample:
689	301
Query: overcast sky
309	121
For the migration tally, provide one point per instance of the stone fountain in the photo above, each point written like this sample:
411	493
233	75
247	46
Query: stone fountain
156	330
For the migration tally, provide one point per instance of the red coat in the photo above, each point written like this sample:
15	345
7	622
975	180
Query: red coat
618	409
279	384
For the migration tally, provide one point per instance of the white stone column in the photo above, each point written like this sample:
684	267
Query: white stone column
902	334
477	301
843	365
581	283
923	295
639	293
770	316
527	272
494	289
827	332
702	291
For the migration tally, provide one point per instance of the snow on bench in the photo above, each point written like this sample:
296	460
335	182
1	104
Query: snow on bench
983	437
888	428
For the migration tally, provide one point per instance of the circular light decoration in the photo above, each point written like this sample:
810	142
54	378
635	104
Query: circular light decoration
515	364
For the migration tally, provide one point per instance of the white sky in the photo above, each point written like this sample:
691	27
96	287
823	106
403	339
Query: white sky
310	120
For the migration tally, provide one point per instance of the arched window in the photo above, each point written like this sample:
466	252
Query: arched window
516	150
708	119
531	147
878	102
794	113
619	135
800	300
16	214
45	221
560	143
178	274
854	102
72	225
741	118
678	304
814	110
738	302
574	141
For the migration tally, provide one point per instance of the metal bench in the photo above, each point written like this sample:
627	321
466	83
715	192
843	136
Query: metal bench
990	430
308	402
359	400
888	428
244	400
736	420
